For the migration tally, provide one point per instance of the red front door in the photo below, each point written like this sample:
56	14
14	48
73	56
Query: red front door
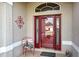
47	32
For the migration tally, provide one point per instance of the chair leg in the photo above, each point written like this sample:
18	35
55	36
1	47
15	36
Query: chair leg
23	51
33	51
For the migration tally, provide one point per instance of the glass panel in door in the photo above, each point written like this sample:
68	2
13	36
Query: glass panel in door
58	33
47	32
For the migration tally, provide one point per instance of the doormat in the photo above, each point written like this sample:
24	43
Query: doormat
48	54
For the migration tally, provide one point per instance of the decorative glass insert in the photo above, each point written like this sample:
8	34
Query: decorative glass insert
57	31
47	23
37	33
47	6
49	26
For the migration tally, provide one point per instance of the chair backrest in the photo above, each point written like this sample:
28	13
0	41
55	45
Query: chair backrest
27	40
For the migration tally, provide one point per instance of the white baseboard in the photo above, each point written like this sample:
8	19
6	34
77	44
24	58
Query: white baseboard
16	44
75	47
9	47
66	42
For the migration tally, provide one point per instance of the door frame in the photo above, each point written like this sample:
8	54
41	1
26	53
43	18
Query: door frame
56	47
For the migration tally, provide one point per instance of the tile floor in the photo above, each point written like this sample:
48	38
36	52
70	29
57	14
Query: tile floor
38	52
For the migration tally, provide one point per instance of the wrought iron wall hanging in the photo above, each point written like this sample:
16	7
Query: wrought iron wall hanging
20	22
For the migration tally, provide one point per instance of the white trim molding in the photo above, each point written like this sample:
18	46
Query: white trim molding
16	44
66	42
11	3
75	47
10	47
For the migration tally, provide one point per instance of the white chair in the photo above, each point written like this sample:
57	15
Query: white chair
28	44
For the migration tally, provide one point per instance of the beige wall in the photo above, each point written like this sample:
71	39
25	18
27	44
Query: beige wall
66	21
75	23
19	9
1	41
75	29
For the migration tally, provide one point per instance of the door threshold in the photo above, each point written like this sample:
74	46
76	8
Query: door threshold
48	50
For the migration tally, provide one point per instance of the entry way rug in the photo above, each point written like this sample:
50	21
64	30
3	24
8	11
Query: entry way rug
48	54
